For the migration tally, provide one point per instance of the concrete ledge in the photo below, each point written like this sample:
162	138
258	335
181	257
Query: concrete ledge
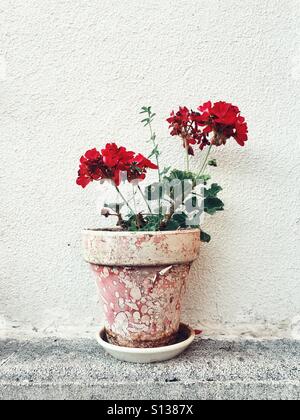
79	369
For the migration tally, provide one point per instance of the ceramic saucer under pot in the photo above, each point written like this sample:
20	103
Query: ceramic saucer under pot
186	336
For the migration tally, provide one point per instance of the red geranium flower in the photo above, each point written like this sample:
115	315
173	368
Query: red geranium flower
179	121
241	131
185	125
138	168
114	156
142	162
224	120
110	163
91	168
118	160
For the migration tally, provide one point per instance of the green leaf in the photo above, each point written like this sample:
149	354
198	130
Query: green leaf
213	191
213	163
177	221
204	178
181	175
205	237
133	228
155	152
165	171
184	175
152	223
144	110
131	224
172	225
212	205
180	218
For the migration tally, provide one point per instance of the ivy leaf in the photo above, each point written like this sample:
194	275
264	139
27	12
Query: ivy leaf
177	221
213	205
185	175
165	171
213	163
172	225
205	237
152	223
180	218
180	175
213	191
204	178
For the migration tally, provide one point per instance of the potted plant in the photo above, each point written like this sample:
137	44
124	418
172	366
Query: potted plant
142	266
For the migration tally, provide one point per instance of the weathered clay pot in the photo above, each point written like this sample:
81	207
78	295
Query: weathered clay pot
141	278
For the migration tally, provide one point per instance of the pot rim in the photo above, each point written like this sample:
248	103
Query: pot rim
165	248
113	232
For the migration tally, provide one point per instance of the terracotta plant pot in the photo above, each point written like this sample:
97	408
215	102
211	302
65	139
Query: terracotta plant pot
141	279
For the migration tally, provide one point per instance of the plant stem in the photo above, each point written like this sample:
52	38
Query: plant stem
135	207
154	144
204	166
124	199
187	157
149	208
134	200
157	159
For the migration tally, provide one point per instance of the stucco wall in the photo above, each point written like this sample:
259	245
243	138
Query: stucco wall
74	74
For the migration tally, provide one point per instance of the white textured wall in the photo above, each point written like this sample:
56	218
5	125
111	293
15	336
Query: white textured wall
77	73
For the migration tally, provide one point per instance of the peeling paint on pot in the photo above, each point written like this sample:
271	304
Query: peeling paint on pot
141	311
141	279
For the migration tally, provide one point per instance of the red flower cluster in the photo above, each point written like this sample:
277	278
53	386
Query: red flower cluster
182	124
222	119
110	163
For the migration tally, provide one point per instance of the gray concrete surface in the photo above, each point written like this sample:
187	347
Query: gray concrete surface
79	369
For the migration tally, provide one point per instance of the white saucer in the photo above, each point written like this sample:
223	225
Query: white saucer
147	355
